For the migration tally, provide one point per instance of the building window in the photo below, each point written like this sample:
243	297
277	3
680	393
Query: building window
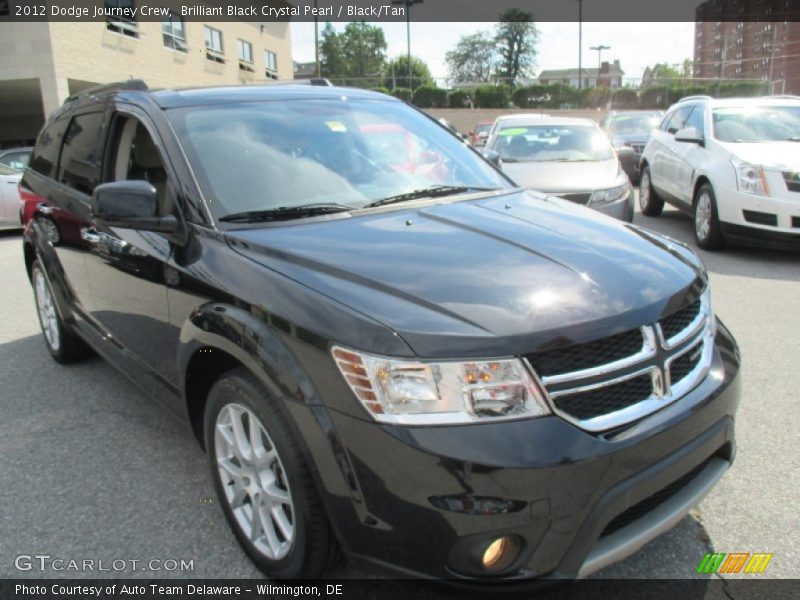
270	64
122	18
245	52
214	48
174	32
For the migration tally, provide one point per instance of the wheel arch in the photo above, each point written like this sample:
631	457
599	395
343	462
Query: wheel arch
698	183
218	338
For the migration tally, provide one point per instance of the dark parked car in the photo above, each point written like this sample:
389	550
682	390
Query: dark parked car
438	374
630	129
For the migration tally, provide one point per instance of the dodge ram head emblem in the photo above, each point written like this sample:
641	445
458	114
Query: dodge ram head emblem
658	384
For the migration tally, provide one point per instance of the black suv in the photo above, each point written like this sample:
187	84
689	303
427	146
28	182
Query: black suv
388	351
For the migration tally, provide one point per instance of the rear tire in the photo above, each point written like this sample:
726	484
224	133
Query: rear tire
264	483
63	344
707	230
649	201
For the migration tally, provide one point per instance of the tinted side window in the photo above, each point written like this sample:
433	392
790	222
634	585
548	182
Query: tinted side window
82	153
45	154
697	120
678	120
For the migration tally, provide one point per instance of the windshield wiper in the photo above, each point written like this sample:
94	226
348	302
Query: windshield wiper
435	191
285	213
795	138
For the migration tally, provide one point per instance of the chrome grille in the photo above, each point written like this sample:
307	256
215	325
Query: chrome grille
792	180
619	379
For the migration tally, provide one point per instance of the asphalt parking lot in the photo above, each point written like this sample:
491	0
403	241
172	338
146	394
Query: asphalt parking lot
90	468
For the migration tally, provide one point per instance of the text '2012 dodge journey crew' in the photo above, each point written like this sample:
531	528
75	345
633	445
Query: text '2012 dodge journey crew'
388	351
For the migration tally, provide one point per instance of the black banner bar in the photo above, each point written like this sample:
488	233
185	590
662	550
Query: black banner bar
711	588
400	10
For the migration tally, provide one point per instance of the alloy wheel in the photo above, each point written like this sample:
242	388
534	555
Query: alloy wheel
702	216
47	310
644	190
254	481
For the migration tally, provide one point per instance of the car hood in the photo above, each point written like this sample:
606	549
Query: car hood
564	176
779	156
491	277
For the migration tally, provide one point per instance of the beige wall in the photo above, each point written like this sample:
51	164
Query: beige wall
64	57
90	52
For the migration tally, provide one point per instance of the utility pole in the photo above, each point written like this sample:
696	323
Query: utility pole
600	49
408	4
580	44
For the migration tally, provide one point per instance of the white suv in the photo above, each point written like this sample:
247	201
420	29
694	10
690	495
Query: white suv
734	164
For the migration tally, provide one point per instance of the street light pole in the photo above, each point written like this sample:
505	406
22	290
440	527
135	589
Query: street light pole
599	49
408	4
316	40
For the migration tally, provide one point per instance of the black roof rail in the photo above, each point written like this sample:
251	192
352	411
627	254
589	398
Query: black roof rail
315	81
131	85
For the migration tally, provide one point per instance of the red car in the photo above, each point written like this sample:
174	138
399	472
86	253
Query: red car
59	225
478	136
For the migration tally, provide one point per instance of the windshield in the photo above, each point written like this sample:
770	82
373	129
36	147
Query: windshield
757	124
539	143
270	155
4	170
634	123
483	128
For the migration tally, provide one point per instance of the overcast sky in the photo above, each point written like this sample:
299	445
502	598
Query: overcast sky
636	45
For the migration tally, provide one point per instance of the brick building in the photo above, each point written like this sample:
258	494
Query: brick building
762	44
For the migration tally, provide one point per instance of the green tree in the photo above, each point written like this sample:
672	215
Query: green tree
364	49
395	74
357	52
516	37
330	52
473	59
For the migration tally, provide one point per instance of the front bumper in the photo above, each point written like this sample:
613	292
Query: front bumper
763	221
424	498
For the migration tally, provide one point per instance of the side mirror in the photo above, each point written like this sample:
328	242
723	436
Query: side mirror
132	205
690	135
493	156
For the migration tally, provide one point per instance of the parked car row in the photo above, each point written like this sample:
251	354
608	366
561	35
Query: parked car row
733	165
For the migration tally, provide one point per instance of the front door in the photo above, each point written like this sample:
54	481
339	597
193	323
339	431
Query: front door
127	267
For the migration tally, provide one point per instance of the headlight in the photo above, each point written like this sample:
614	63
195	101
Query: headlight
750	178
610	195
438	393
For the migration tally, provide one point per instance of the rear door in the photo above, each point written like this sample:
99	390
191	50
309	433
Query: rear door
9	197
64	172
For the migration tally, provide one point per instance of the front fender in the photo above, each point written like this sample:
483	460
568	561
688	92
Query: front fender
253	343
258	346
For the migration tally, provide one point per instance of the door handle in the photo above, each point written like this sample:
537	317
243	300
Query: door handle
90	235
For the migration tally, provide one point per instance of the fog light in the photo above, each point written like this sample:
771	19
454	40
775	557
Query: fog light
500	553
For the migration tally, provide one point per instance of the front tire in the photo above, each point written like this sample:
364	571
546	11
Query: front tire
649	201
264	483
707	230
63	344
